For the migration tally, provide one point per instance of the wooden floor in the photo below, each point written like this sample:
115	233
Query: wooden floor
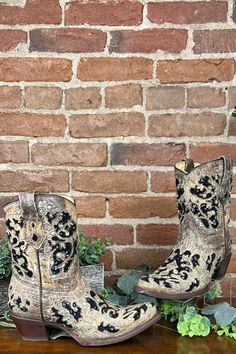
154	340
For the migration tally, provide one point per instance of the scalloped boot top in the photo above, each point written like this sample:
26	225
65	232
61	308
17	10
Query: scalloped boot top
46	288
203	249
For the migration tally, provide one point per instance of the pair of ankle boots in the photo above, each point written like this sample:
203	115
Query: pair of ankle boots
46	289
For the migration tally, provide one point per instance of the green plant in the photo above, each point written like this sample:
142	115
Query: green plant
90	250
191	323
5	259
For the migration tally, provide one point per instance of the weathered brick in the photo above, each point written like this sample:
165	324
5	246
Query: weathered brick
103	13
234	184
232	96
9	39
2	228
156	234
186	12
148	41
113	69
112	124
107	260
43	97
29	180
78	154
132	258
121	234
123	96
165	97
14	151
196	70
187	124
162	181
232	231
90	207
34	12
29	124
202	97
142	207
232	126
215	41
63	40
209	151
146	154
35	69
109	182
83	98
10	97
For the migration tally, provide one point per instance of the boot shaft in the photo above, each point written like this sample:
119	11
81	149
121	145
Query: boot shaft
42	237
203	196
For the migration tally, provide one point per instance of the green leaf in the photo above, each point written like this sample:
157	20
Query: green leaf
141	298
127	282
58	333
225	316
118	299
212	309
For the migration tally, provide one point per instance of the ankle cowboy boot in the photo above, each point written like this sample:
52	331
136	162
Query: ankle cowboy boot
203	249
46	287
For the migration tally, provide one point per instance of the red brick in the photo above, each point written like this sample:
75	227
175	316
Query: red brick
29	124
35	69
102	125
142	207
34	11
187	124
14	151
148	41
147	154
9	39
83	98
232	96
123	96
43	97
215	41
232	265
63	40
184	12
113	69
165	97
232	126
109	181
10	97
77	154
233	209
121	234
117	13
90	207
131	258
162	181
107	260
209	151
111	280
196	70
156	234
29	180
202	97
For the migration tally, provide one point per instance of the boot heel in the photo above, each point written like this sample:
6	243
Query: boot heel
31	330
222	268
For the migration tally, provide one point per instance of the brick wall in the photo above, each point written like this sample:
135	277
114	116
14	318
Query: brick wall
99	99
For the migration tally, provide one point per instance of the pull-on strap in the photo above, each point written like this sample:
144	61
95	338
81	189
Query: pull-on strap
34	232
189	165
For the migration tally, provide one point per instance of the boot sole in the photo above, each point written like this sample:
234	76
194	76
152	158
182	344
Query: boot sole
36	330
218	275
